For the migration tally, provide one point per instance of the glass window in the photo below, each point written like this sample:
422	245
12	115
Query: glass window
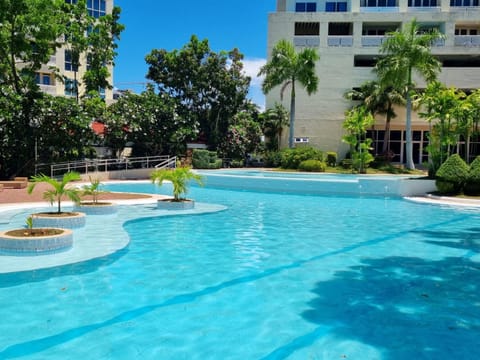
46	79
300	7
70	87
342	7
311	7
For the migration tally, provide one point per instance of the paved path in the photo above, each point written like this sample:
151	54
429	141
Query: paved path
14	196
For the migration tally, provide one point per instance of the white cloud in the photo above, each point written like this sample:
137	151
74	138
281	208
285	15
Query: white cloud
251	68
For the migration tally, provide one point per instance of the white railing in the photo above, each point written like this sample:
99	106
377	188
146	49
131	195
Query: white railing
98	165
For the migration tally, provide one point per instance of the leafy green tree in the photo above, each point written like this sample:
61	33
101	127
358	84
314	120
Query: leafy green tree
243	137
441	105
148	119
356	123
274	120
59	188
406	52
28	36
209	88
286	67
63	129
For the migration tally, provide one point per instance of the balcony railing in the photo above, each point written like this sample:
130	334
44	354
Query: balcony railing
340	40
48	89
467	40
379	9
308	41
373	40
424	9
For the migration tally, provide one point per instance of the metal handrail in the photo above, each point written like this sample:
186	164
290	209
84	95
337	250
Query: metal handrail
126	163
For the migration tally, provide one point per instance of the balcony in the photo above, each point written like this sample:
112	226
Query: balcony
340	40
370	40
306	41
377	9
467	40
48	89
424	9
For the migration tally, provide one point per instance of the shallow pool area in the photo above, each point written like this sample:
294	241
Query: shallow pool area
273	276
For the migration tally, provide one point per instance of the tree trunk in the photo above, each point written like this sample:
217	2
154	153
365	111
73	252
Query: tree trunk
292	116
386	136
408	130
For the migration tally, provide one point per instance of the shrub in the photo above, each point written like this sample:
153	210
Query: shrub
312	165
291	158
472	186
331	158
272	158
204	159
453	171
237	163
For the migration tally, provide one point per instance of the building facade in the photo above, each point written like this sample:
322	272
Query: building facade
62	61
347	35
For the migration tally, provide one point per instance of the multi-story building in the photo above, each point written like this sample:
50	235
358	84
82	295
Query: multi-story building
347	35
62	60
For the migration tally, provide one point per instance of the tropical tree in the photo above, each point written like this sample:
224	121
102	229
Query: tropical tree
285	68
441	105
59	188
179	177
378	99
405	52
209	88
274	120
356	123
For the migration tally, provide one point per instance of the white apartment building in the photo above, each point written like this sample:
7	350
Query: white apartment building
347	35
62	61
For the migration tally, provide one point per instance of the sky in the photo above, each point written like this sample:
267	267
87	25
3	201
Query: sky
167	24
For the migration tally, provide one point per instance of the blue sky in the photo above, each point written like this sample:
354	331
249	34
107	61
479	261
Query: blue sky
163	24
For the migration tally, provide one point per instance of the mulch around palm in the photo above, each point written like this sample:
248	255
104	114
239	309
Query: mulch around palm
13	196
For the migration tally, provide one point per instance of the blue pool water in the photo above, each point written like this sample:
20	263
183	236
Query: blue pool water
274	276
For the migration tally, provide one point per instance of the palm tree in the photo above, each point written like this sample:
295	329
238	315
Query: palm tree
179	177
407	51
285	68
378	99
274	120
59	190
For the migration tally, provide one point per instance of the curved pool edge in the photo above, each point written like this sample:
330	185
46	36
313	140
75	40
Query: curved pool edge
96	240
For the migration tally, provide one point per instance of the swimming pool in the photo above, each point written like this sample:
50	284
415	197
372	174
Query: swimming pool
275	276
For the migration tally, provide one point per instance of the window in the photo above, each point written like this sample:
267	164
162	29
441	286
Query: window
378	3
69	65
423	3
307	28
97	8
70	87
335	7
464	3
71	1
306	7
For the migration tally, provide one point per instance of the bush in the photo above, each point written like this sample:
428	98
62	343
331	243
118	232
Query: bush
291	158
272	158
453	171
331	158
472	186
312	165
236	163
204	159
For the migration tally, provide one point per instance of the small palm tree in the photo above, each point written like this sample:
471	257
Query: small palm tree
287	67
59	190
179	177
93	189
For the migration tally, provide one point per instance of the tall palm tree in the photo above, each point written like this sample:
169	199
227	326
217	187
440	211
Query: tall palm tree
407	51
285	68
